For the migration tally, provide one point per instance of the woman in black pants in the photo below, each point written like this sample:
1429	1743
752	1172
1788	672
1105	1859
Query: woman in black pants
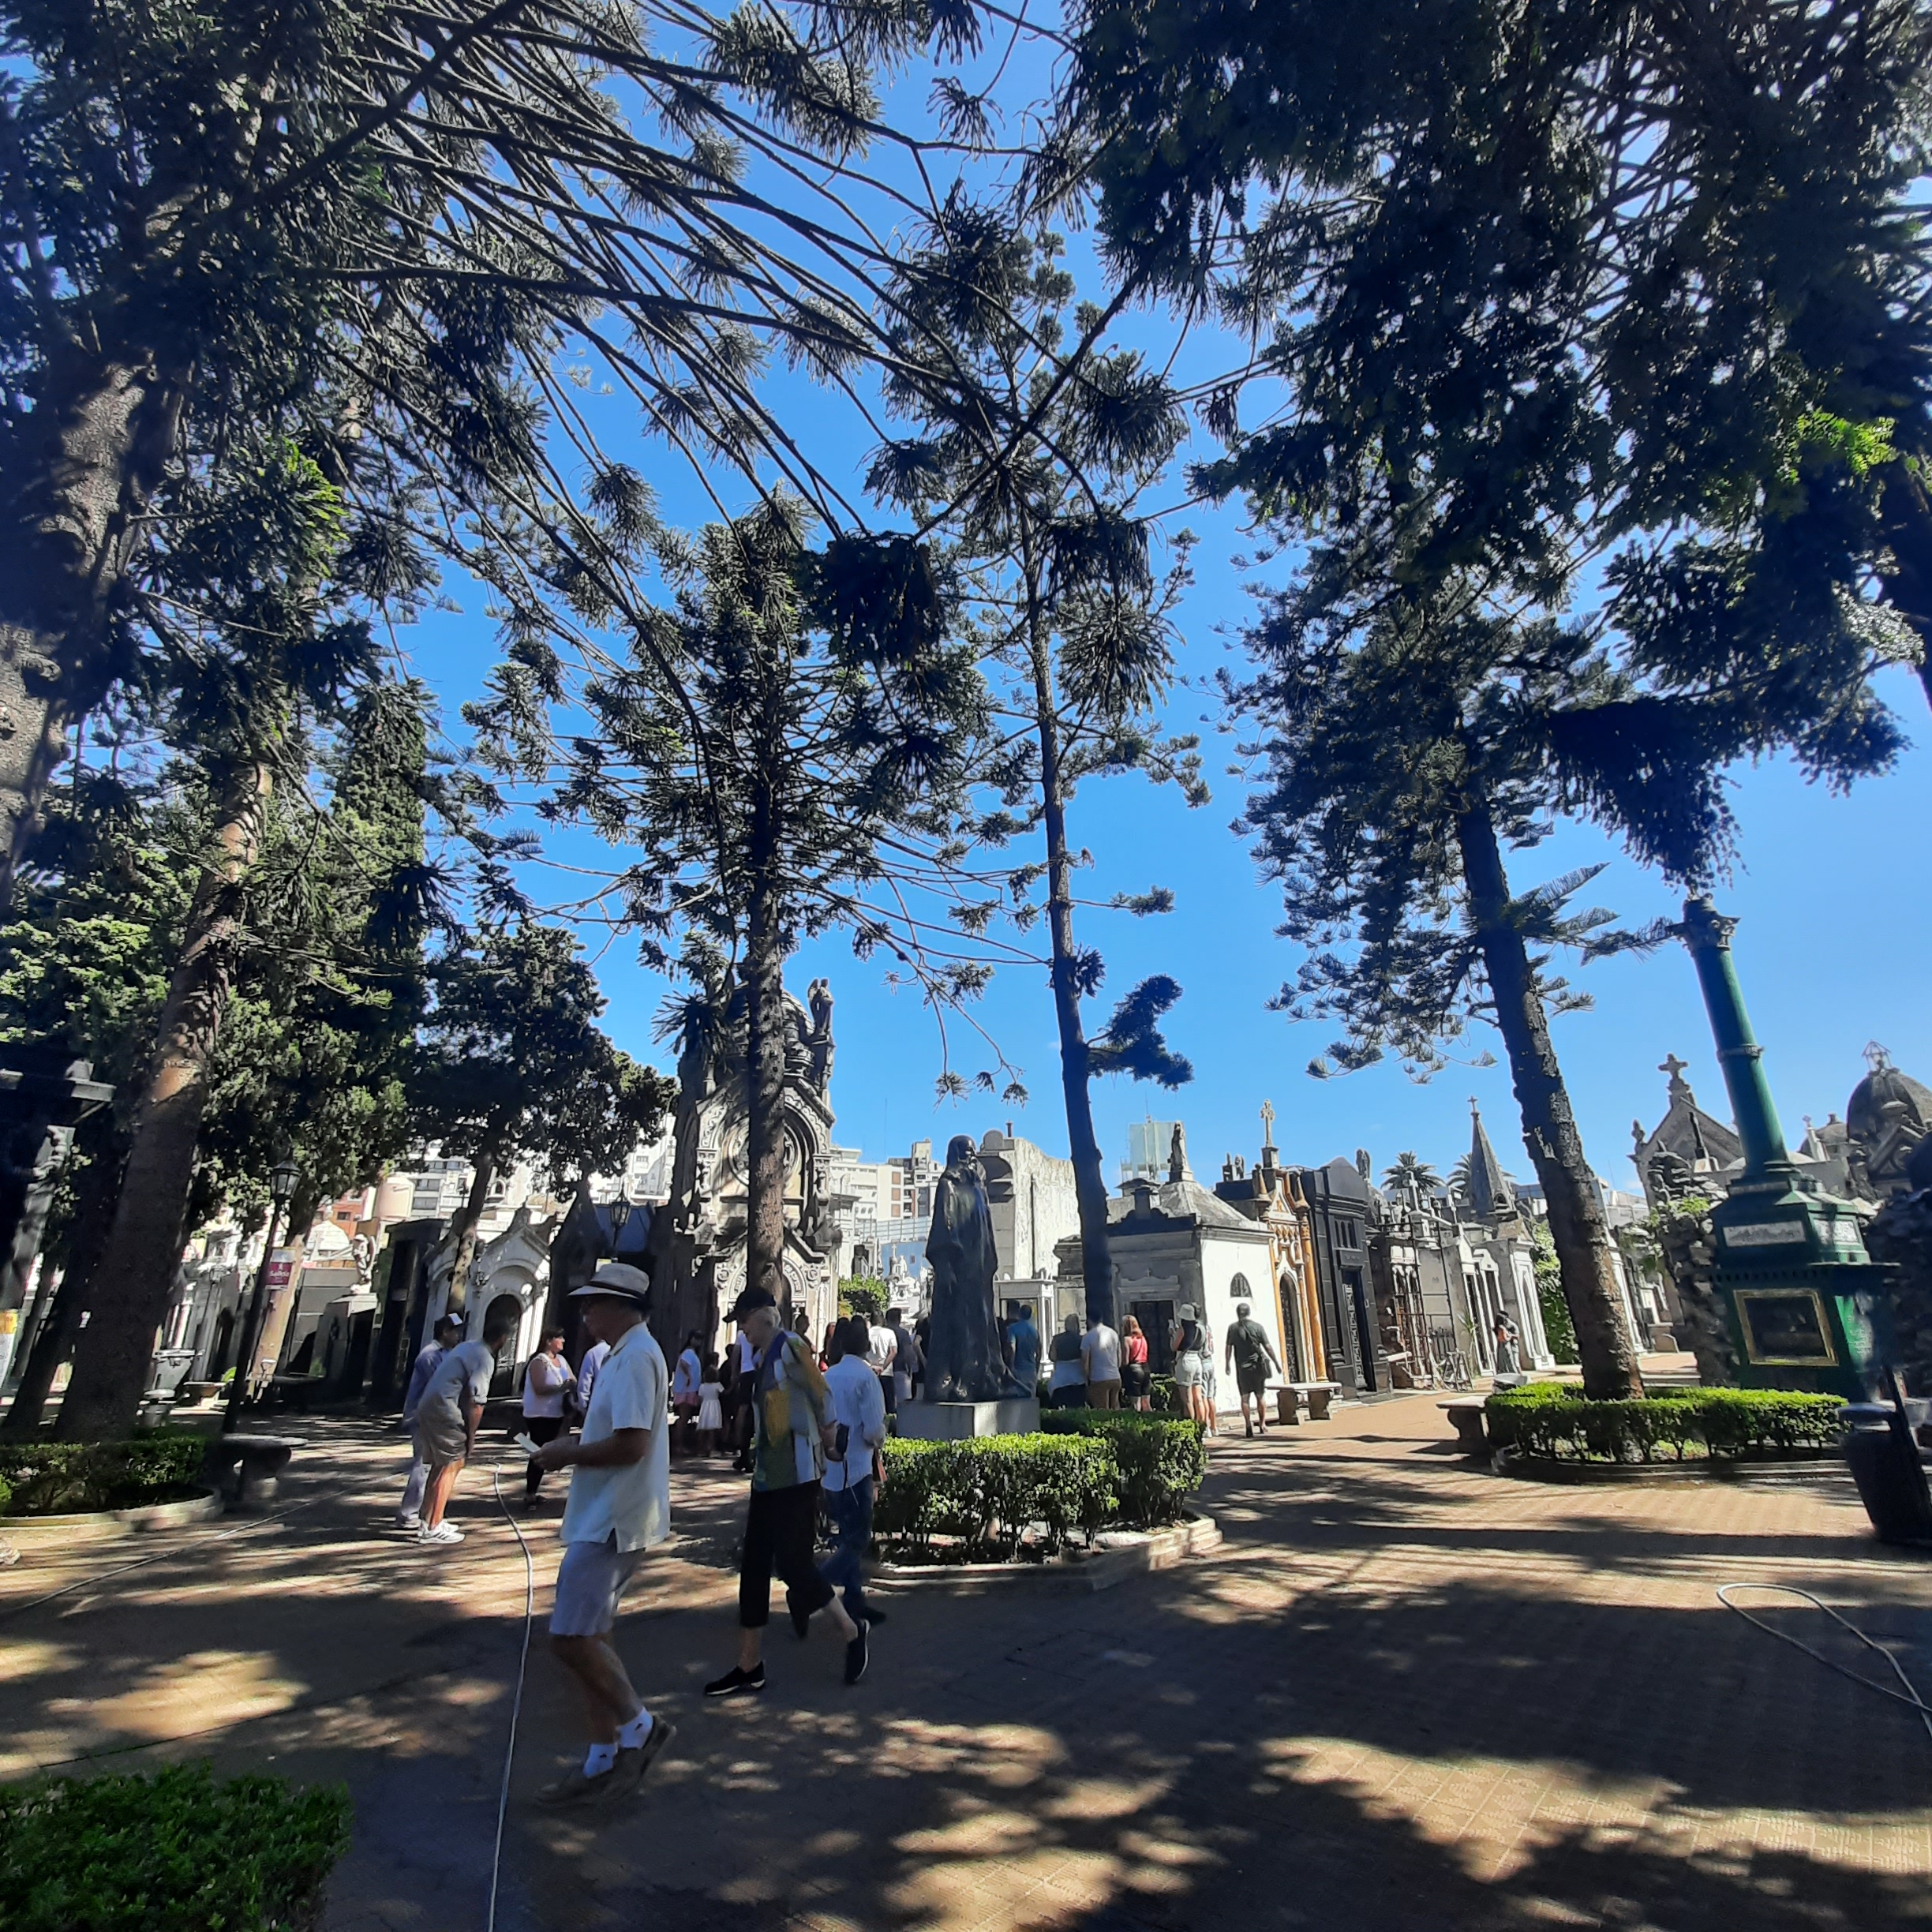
792	1413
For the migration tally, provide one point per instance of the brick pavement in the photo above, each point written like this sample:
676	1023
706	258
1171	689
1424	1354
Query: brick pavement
1403	1694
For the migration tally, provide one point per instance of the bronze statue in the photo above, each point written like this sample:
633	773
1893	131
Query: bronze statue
963	1362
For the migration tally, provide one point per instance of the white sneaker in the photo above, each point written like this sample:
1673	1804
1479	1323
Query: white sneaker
411	1521
442	1532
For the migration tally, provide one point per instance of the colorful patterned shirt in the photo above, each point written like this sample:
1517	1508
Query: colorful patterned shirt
793	1407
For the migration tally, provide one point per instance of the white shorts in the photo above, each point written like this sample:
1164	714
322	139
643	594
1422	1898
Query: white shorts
1187	1370
590	1580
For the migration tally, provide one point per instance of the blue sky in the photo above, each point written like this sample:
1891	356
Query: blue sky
1836	931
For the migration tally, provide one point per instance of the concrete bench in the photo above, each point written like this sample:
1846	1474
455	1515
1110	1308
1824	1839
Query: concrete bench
1289	1396
248	1469
1466	1412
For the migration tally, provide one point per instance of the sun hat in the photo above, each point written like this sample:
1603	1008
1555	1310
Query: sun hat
620	1278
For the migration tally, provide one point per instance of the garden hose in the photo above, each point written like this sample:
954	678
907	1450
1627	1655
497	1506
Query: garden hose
1908	1697
516	1702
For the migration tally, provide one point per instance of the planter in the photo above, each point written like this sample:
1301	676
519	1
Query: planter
1117	1555
33	1533
1800	1465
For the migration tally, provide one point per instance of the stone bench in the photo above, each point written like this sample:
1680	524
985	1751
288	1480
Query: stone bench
248	1469
1289	1396
1466	1412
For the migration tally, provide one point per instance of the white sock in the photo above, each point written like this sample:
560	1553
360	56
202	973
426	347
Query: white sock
630	1735
598	1759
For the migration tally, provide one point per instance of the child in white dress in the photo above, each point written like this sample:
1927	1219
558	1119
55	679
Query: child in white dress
710	1408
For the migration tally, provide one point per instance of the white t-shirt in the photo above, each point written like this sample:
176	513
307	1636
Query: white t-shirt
631	1501
688	1374
544	1381
859	1402
467	1367
1100	1354
882	1346
587	1372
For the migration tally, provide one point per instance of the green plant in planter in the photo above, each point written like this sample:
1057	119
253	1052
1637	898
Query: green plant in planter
1161	1459
989	1492
6	1495
1555	1421
50	1478
175	1852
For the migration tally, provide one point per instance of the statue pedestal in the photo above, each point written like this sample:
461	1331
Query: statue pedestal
955	1421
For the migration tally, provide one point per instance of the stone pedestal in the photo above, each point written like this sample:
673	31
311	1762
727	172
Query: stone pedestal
955	1421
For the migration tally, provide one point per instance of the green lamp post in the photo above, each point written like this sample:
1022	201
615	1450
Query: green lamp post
1805	1302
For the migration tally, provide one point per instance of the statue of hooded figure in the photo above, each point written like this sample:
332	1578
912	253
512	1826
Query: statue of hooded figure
963	1363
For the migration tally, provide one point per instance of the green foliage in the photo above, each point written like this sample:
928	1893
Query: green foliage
1164	1396
1160	1459
1558	1327
988	1493
862	1295
171	1852
53	1478
513	1062
1554	1419
6	1495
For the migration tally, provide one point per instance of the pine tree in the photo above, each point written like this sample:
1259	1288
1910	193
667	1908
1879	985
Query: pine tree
1029	451
777	758
392	234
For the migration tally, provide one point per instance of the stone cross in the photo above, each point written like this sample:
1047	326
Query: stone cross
1670	1064
1267	1123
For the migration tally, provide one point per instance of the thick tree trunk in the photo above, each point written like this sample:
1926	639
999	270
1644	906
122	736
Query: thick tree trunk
1577	1224
101	432
1907	515
466	1230
136	1271
763	974
54	1333
1090	1187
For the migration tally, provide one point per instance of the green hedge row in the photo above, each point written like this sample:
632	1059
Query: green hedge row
49	1478
1554	1419
989	1491
1160	1459
172	1852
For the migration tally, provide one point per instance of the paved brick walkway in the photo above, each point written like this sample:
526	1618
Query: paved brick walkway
1404	1695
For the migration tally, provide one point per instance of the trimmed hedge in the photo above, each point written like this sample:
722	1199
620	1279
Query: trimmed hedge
172	1852
1160	1459
1555	1420
51	1478
988	1492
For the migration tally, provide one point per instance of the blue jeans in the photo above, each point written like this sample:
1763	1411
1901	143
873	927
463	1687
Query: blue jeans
850	1511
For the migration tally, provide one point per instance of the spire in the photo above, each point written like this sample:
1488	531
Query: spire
1489	1191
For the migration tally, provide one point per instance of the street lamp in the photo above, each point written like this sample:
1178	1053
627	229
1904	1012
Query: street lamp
282	1179
620	1213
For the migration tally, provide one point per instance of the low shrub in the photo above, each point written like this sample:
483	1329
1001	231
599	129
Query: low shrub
174	1852
1556	1419
1160	1459
1164	1396
6	1495
990	1491
49	1478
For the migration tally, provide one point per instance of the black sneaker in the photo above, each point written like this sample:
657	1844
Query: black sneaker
856	1654
801	1620
736	1683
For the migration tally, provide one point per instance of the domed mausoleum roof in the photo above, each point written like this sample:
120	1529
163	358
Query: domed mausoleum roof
1884	1086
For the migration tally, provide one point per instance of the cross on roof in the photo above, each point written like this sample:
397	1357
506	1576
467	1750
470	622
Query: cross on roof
1267	1123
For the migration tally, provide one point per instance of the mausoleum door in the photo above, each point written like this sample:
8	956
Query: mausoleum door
1156	1320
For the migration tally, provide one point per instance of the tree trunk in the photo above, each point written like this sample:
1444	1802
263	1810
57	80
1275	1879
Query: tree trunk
763	976
1576	1225
54	1333
100	437
1906	515
1090	1187
466	1231
136	1270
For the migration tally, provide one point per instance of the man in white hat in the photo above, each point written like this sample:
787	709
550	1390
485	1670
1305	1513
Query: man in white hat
619	1506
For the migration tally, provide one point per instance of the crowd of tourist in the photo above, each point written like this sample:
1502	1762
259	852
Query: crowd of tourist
807	1422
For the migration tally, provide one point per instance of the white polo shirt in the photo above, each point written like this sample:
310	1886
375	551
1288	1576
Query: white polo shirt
859	1402
631	1501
